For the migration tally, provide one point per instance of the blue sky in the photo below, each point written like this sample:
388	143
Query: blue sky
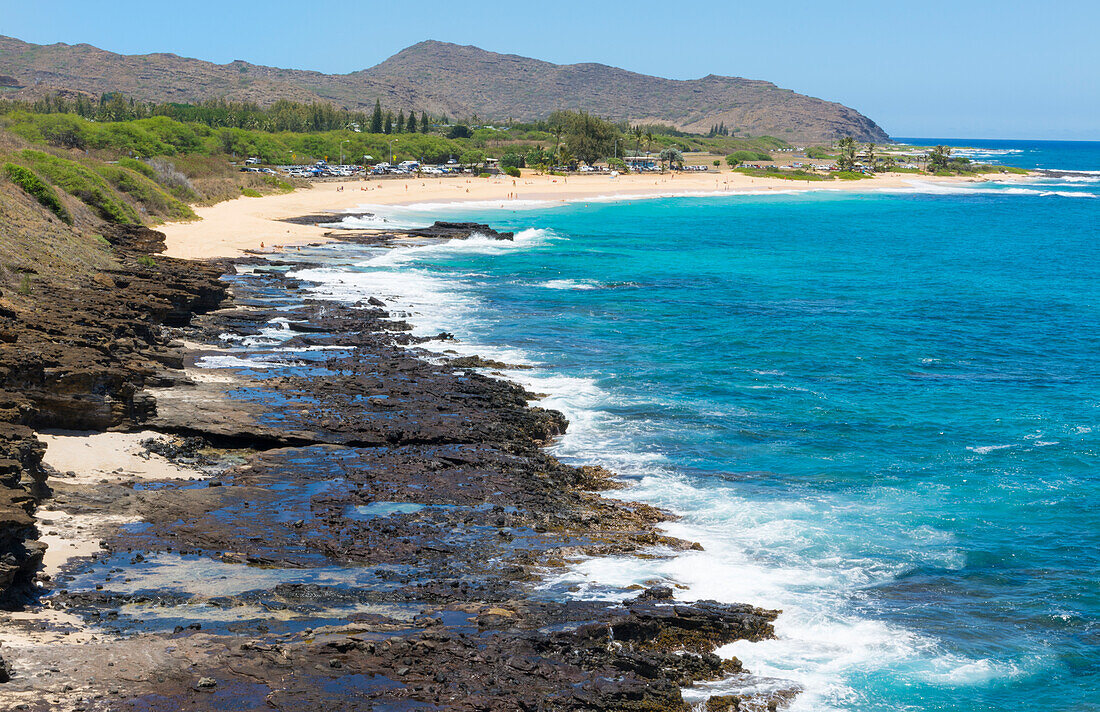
969	68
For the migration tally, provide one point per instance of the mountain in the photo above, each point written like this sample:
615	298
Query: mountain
444	78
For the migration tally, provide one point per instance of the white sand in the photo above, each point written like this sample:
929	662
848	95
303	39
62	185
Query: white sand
93	458
230	228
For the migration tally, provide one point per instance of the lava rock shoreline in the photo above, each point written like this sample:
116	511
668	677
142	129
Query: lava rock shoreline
416	483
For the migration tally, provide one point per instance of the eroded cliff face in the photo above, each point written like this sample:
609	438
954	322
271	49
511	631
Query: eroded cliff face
77	357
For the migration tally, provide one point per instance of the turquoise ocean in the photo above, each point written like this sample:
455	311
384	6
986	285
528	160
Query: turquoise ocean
878	412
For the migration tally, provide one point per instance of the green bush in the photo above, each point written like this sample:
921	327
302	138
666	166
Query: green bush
145	191
278	183
512	171
251	193
84	184
33	186
139	166
773	172
741	156
511	159
146	261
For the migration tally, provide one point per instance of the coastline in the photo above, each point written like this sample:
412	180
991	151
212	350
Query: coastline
262	225
471	512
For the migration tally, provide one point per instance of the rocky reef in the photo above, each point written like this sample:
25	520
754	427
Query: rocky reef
372	525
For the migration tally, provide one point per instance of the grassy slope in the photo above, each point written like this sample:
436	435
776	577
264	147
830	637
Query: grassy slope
36	247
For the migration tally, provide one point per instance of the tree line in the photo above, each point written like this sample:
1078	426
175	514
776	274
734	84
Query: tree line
282	115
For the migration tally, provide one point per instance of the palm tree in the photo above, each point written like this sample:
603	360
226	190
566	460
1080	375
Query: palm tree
870	151
558	130
938	158
847	159
648	142
637	131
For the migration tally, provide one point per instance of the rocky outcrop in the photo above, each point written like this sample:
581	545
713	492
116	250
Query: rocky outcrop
459	230
79	358
372	534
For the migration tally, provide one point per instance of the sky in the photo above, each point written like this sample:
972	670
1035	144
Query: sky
962	69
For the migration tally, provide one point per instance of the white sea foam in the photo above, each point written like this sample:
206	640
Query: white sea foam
775	552
571	284
984	189
374	221
986	449
228	361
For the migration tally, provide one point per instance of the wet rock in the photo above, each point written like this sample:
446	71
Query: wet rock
459	230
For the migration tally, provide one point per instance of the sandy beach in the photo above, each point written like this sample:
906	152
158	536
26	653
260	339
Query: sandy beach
233	227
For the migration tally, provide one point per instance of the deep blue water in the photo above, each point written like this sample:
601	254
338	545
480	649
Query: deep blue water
879	412
1064	155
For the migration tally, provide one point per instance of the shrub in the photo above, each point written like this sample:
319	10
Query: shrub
140	166
145	191
146	261
278	183
84	184
251	193
511	160
512	171
178	184
483	175
741	156
33	186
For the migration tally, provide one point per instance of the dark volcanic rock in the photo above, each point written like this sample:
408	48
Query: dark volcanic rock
459	230
79	359
370	541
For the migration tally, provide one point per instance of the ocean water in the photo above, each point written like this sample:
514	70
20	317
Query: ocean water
878	412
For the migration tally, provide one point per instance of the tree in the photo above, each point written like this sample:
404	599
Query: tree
460	131
565	158
671	155
511	159
648	140
387	127
637	131
587	137
846	161
376	118
869	152
939	158
733	160
400	121
424	124
557	127
537	158
472	157
411	125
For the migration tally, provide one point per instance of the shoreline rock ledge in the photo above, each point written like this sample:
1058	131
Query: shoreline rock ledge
371	527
